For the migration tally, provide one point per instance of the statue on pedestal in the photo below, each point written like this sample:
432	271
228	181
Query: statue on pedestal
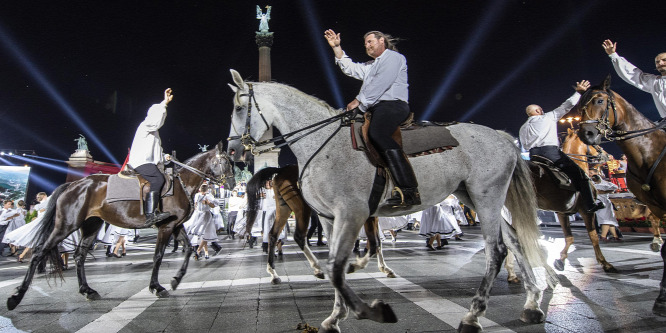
263	23
81	143
203	148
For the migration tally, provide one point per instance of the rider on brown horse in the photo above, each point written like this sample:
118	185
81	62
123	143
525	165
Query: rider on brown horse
539	136
146	153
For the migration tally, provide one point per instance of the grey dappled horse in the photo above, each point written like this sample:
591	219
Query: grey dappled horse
483	171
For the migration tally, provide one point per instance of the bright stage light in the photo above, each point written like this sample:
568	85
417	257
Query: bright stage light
51	166
461	62
323	50
50	90
549	41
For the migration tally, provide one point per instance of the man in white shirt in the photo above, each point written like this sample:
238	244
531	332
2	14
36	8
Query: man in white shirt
650	83
146	154
7	215
384	93
539	136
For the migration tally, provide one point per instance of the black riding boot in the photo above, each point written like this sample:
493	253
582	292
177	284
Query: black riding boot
406	192
153	214
587	195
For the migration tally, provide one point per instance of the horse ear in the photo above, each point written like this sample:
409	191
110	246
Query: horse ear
220	147
237	78
607	82
234	88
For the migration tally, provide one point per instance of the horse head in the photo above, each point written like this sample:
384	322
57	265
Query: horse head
598	113
248	124
214	165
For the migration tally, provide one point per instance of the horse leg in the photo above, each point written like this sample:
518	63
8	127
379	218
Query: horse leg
303	213
568	240
163	234
340	243
88	234
382	265
594	237
180	233
372	231
659	307
509	266
281	216
531	311
657	241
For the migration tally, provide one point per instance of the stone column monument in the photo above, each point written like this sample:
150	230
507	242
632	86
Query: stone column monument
264	39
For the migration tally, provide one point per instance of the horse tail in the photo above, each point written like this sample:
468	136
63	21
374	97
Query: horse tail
45	230
252	191
521	202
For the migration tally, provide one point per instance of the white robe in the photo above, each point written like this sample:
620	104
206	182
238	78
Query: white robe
606	215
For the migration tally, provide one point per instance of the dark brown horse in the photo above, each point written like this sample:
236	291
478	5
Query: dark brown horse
565	202
82	205
288	198
605	114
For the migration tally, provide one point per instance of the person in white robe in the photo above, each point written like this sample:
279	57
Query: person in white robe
24	236
203	225
606	216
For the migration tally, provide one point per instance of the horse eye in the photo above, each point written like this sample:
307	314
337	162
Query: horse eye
601	101
239	107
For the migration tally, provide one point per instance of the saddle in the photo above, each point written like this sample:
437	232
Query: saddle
547	166
130	186
415	138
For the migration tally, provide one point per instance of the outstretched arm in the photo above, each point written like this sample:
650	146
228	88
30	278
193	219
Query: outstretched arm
609	46
334	41
168	96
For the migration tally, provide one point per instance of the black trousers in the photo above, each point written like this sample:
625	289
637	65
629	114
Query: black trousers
3	228
152	175
315	224
571	169
386	117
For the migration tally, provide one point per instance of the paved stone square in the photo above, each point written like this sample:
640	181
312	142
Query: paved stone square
231	292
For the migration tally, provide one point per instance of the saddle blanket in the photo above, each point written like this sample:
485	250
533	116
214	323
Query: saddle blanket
122	189
416	138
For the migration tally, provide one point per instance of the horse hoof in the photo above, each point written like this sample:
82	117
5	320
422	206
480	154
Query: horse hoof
513	280
465	328
658	309
93	296
174	283
276	280
532	316
610	269
558	264
320	275
388	316
162	293
329	330
13	301
390	275
351	269
655	247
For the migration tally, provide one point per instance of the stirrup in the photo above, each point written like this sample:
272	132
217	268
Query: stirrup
402	197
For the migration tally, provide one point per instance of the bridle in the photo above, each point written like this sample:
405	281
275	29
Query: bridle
250	144
206	176
604	126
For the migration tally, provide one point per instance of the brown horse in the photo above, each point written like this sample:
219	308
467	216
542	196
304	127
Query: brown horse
82	205
288	198
605	114
565	202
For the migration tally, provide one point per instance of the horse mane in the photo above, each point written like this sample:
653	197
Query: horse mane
300	95
252	191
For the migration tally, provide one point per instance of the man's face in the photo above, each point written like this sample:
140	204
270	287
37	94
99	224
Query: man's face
40	197
660	63
374	47
8	204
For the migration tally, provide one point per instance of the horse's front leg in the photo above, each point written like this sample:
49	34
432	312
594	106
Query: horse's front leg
88	236
341	242
383	267
281	216
657	241
163	234
659	307
372	232
594	238
181	234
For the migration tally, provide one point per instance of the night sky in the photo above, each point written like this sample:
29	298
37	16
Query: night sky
109	61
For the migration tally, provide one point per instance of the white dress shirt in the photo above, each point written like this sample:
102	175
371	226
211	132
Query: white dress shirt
539	131
650	83
384	78
7	215
147	146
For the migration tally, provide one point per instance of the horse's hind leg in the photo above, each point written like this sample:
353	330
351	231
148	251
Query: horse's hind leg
372	232
88	234
180	233
382	265
532	313
568	240
509	265
281	216
657	241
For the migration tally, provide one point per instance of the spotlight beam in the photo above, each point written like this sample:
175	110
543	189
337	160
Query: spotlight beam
50	90
482	27
45	158
45	185
5	161
526	63
51	166
316	33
